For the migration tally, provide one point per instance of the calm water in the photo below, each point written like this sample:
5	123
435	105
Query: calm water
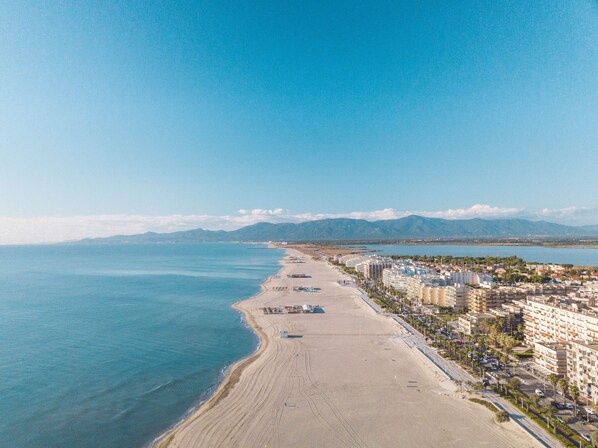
108	346
576	256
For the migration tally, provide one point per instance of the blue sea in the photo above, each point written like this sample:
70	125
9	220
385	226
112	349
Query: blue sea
578	256
108	346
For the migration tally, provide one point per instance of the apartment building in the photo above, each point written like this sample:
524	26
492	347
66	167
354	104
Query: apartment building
552	357
456	296
558	319
469	278
481	300
374	267
582	367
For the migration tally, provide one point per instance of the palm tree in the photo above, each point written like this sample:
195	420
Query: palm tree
553	379
564	385
574	392
548	413
506	357
515	384
535	401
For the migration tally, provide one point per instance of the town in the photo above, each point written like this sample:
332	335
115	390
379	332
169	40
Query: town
528	331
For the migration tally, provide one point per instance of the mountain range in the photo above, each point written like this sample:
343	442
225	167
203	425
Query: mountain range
343	229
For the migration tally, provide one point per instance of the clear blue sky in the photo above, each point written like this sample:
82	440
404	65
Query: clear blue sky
209	107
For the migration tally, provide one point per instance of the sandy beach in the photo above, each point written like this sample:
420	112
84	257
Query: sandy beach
342	379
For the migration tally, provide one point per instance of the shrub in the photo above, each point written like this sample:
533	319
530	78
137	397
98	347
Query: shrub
502	416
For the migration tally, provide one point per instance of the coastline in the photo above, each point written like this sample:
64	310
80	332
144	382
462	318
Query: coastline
233	372
341	372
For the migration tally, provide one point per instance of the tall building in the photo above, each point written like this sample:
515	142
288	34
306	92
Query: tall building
551	356
558	319
582	368
456	297
374	267
480	300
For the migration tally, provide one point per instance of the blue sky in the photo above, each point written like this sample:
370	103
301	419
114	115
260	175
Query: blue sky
143	109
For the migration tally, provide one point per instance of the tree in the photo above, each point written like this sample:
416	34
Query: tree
548	413
553	379
574	392
535	401
506	357
564	385
515	384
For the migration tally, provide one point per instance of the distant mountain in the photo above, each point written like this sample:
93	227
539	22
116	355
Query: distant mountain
341	229
593	229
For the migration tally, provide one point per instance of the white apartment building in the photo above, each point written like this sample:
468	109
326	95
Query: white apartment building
582	367
355	260
470	278
558	319
374	267
456	297
551	357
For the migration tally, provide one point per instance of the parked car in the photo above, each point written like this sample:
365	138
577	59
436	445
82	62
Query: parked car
568	406
586	437
590	411
539	393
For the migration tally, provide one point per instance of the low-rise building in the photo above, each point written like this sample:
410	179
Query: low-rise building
472	323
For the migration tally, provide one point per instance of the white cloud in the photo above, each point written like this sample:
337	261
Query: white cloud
16	230
567	211
475	211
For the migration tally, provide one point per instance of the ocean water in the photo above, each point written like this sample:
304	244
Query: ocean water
108	346
578	256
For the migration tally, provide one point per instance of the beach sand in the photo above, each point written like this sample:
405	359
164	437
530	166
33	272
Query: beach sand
343	379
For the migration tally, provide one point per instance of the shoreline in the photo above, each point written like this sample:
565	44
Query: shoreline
233	371
342	383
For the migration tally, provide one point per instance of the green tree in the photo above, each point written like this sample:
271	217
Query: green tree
548	413
515	384
574	392
564	386
534	401
553	379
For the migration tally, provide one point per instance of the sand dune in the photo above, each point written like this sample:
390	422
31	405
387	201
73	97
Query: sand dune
344	380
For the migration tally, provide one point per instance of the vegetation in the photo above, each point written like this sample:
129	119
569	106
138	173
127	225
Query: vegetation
468	352
502	416
486	404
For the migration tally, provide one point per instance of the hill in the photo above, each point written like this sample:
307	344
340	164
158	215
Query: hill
342	229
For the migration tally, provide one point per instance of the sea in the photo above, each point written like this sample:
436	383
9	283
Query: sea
577	256
109	346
